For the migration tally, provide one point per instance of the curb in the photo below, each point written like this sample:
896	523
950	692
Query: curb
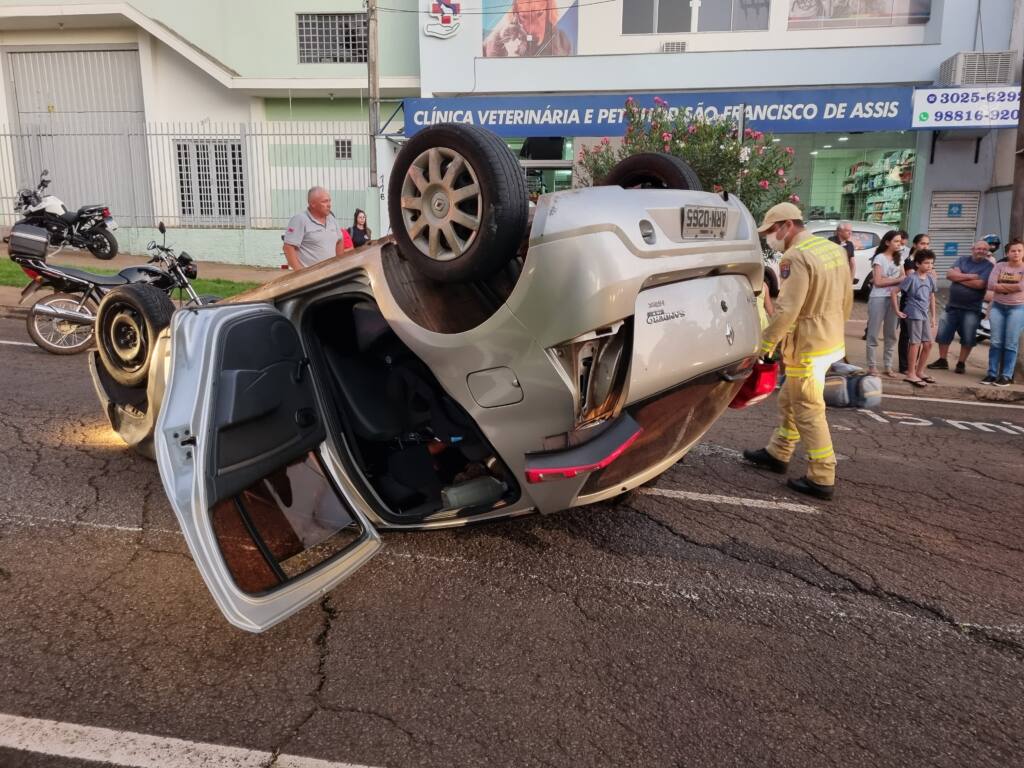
981	393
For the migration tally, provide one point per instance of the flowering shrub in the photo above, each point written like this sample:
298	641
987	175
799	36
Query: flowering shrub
751	166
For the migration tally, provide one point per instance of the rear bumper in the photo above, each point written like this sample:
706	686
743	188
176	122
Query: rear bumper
672	422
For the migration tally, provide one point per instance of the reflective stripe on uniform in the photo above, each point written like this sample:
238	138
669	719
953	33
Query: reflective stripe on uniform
820	454
829	254
799	372
787	434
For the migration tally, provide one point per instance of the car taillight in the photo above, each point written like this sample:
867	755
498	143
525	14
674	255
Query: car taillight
106	213
758	386
596	365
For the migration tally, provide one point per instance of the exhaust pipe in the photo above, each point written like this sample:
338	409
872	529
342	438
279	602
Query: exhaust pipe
79	318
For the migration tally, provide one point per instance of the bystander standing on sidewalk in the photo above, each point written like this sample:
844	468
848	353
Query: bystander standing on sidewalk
1006	315
314	234
969	279
844	237
922	314
921	242
886	274
360	233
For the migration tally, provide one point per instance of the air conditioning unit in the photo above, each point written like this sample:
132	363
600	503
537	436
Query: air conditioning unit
674	46
977	68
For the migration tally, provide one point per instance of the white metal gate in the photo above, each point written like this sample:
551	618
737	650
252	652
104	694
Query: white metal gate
79	114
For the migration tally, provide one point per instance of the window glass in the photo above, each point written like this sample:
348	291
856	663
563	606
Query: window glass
830	14
749	14
674	16
637	16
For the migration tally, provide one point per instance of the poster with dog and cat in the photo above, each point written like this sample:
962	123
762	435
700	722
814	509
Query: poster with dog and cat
530	27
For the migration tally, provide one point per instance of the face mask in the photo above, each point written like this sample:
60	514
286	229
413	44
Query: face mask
775	242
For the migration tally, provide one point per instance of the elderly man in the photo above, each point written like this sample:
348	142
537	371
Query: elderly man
844	237
314	234
968	281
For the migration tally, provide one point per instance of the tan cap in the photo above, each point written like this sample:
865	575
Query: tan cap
777	213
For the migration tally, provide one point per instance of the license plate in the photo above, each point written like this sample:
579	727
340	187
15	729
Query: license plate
111	224
704	222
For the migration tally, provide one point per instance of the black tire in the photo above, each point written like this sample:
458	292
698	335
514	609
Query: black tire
127	323
498	207
60	337
652	170
102	244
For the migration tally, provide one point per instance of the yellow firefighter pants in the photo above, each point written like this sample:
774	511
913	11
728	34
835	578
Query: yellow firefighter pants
802	408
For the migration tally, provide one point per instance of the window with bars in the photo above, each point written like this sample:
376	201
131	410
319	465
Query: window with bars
211	181
332	38
343	149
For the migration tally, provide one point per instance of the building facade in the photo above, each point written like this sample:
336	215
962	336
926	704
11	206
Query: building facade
769	59
214	116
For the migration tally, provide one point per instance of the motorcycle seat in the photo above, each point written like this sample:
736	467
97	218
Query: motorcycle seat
91	277
87	208
69	216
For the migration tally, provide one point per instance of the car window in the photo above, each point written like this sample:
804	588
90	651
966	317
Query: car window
861	240
864	240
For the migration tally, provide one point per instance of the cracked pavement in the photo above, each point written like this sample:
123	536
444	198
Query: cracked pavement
885	628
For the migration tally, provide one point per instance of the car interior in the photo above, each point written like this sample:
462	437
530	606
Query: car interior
415	445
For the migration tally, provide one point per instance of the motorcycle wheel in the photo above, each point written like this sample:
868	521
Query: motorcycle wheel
128	321
61	337
103	245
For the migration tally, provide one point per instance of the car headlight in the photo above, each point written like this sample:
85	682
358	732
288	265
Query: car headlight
596	365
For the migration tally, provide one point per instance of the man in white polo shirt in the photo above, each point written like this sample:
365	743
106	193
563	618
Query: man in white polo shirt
314	234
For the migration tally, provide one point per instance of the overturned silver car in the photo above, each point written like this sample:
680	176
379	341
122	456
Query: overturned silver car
486	361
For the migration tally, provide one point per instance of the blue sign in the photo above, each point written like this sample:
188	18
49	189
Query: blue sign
803	111
950	249
955	210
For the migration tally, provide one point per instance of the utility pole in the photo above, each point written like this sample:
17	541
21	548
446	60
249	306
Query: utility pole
1017	206
372	67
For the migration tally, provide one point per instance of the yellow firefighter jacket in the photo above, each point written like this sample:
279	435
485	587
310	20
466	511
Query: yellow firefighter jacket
814	303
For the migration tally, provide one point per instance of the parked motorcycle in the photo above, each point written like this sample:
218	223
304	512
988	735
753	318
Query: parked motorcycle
89	228
64	322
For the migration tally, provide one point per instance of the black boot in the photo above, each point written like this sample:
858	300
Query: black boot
811	488
765	460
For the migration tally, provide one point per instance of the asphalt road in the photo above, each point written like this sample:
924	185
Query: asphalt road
730	624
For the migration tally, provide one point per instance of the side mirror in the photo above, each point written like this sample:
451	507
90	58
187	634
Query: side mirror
162	228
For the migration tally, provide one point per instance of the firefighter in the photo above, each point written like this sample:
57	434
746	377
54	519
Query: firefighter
810	320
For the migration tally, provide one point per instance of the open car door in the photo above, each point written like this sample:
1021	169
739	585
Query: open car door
238	442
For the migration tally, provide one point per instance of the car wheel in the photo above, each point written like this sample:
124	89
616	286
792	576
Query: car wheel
653	170
127	324
458	203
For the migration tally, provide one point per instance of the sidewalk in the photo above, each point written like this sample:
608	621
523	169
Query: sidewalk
10	296
966	386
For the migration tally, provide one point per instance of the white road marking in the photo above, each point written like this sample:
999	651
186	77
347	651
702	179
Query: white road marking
18	343
713	498
40	520
138	750
956	402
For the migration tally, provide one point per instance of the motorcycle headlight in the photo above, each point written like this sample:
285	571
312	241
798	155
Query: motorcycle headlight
596	365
